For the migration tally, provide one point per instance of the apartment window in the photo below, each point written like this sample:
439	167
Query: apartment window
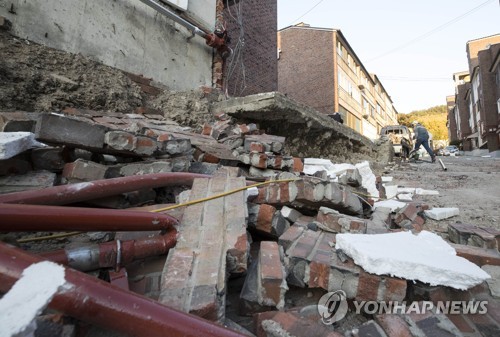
340	49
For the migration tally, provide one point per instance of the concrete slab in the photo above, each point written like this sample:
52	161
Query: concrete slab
282	116
425	257
14	143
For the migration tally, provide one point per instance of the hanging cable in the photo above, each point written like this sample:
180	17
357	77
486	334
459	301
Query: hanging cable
429	33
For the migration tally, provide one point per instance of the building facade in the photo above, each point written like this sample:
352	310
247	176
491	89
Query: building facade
477	97
451	122
328	76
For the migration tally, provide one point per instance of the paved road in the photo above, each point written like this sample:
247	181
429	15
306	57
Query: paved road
470	183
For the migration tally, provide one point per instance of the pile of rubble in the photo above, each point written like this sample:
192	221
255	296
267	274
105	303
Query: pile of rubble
215	228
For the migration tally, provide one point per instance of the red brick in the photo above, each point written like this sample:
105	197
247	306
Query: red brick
292	234
210	158
395	289
393	325
150	90
257	147
357	226
207	130
330	220
477	255
145	146
244	128
265	218
278	162
298	164
83	170
368	287
318	275
285	192
271	273
139	79
461	323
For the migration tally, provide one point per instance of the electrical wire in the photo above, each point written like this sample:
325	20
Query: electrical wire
193	202
306	12
432	31
236	64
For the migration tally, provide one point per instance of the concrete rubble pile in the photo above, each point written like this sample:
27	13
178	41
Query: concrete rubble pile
213	233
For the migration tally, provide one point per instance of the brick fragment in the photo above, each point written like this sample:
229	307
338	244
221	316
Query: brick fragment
83	170
18	121
69	131
393	325
271	275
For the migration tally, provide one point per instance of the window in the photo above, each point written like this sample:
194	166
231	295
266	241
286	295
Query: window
340	49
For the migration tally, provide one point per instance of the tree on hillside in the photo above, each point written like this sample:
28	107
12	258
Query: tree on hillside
434	119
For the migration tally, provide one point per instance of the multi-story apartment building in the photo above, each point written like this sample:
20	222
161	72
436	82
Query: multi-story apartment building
477	97
326	74
460	111
451	121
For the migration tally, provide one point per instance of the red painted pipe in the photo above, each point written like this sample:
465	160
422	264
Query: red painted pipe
97	302
25	218
67	194
112	254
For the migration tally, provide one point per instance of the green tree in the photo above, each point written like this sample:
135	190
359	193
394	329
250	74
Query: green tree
434	119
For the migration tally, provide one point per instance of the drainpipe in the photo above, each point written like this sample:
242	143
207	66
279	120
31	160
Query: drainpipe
97	302
26	218
68	194
112	254
213	40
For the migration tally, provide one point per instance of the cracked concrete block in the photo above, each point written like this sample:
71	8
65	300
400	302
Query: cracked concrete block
14	143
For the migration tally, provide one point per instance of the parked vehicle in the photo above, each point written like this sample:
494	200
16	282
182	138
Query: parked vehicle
443	152
452	149
400	137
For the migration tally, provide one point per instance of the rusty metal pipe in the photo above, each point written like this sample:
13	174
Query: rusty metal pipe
112	254
67	194
97	302
25	218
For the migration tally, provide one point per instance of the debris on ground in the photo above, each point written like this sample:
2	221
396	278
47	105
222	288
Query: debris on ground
196	216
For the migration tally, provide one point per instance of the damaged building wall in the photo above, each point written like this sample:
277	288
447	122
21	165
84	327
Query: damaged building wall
124	34
253	66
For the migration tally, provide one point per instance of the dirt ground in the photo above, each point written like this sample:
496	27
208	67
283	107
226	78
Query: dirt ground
36	78
470	183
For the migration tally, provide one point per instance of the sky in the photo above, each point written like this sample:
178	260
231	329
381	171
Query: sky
414	47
